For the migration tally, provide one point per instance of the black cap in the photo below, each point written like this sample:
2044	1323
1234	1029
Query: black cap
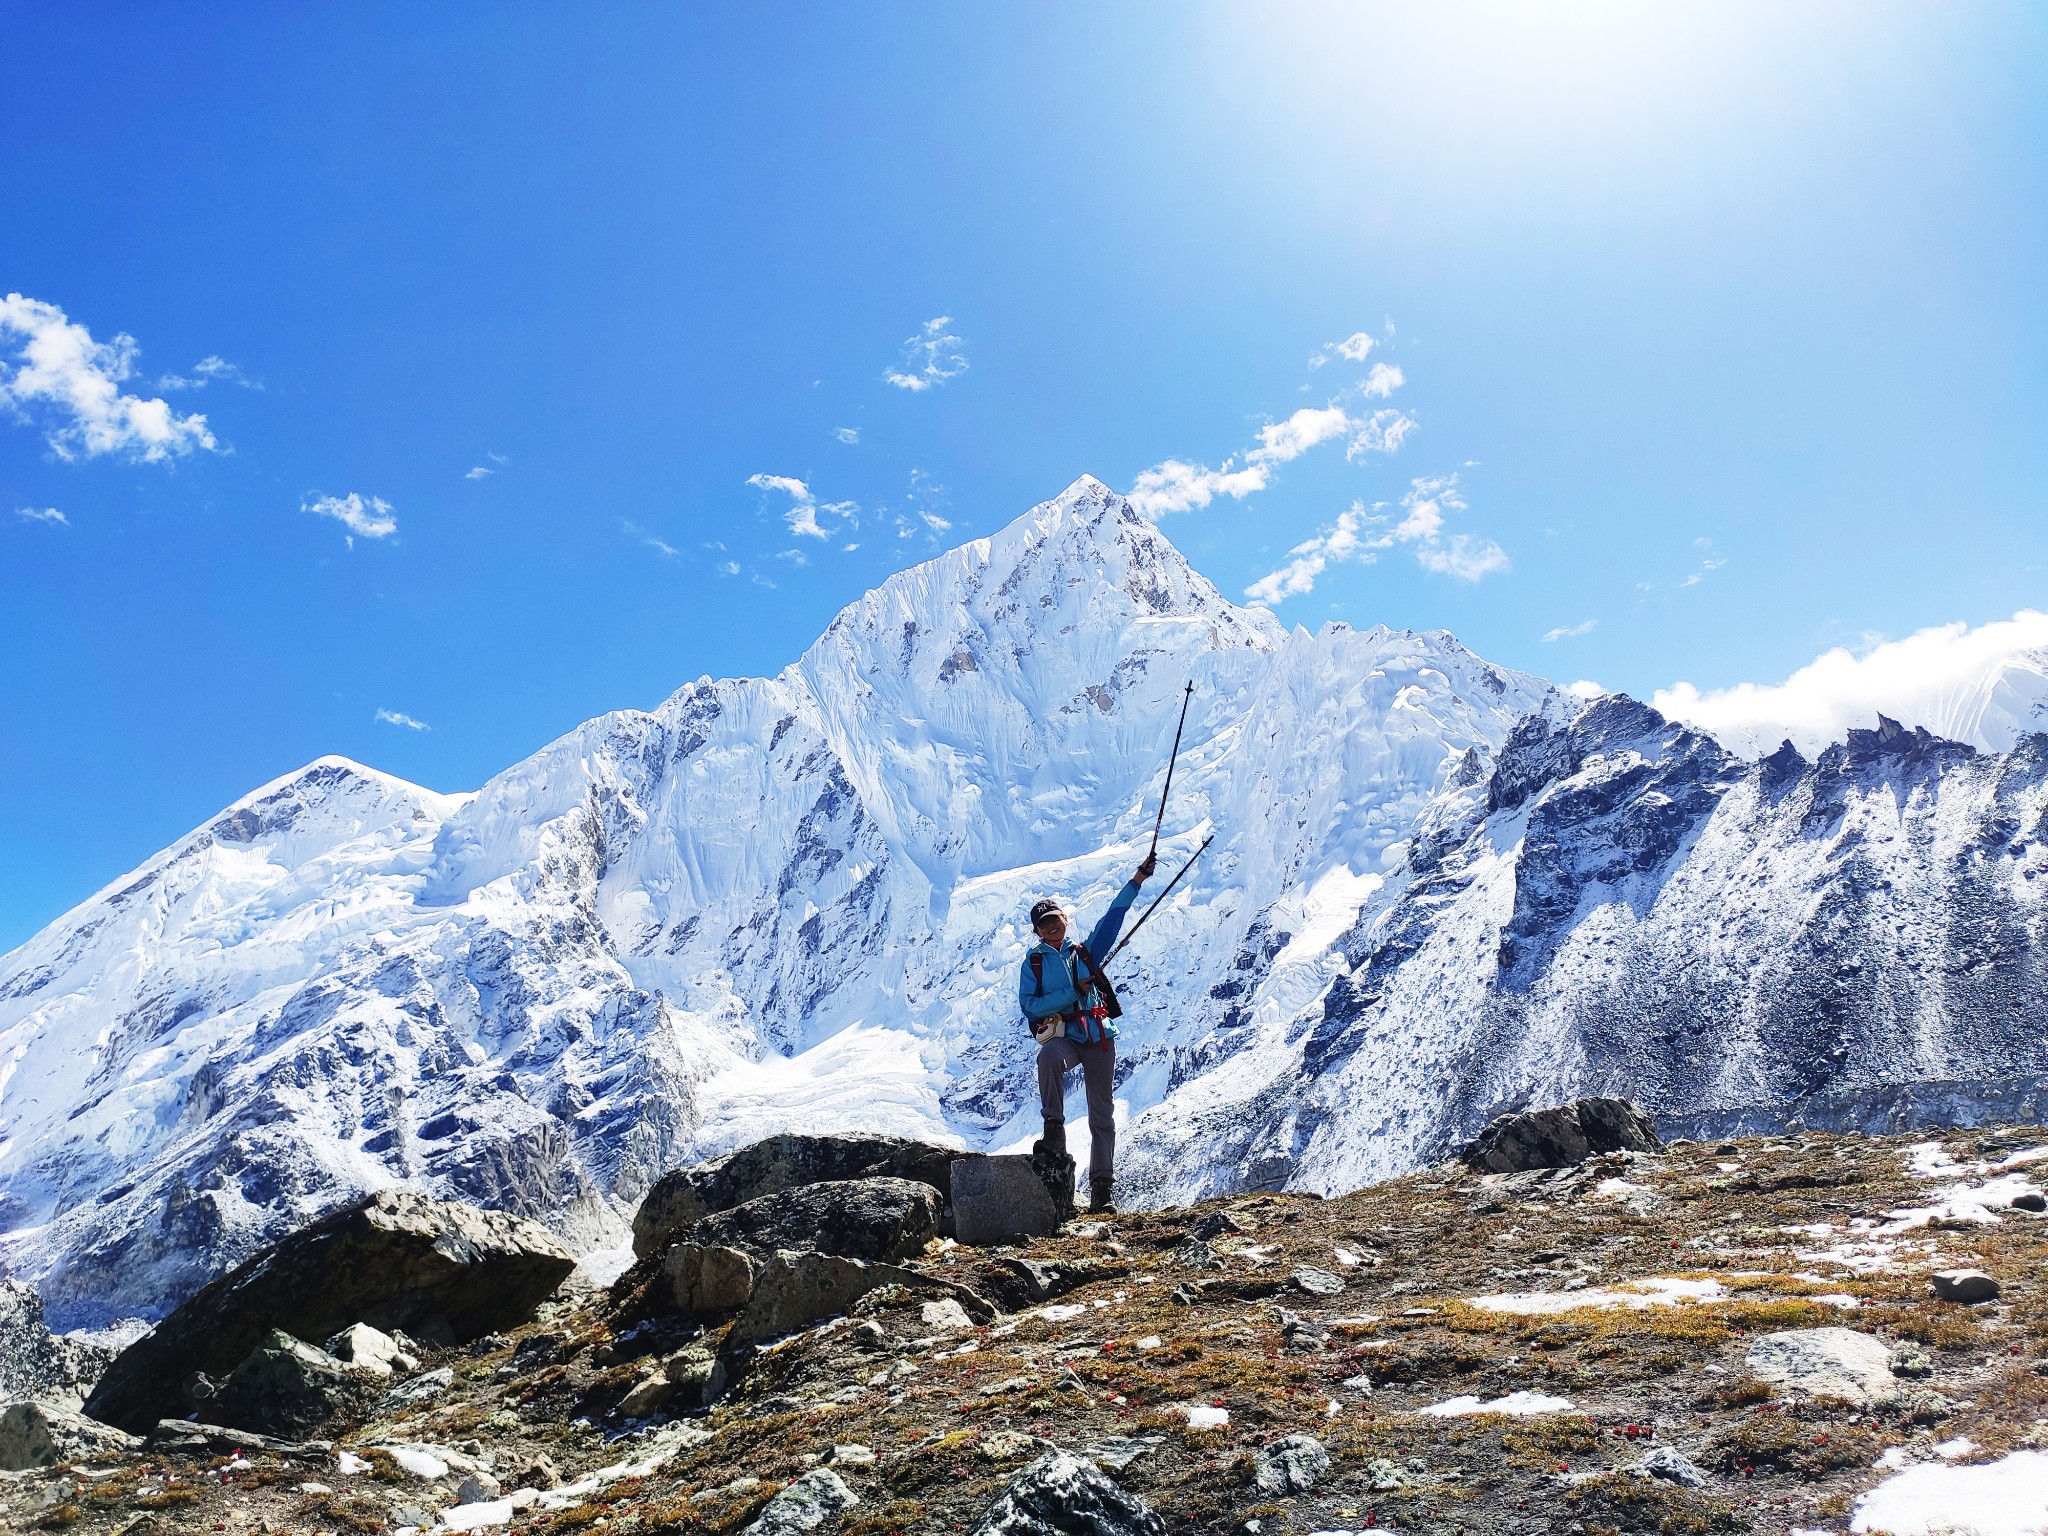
1043	908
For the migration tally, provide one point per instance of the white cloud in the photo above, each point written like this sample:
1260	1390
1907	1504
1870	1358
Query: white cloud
209	370
1282	441
1384	379
802	513
1352	349
42	515
1381	432
1986	685
369	516
1585	688
847	435
1570	631
478	472
393	717
1465	556
1359	535
930	357
60	370
1175	486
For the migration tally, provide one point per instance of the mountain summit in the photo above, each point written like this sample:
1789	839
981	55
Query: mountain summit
1437	888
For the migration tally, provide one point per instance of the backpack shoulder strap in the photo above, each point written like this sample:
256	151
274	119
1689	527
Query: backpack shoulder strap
1038	971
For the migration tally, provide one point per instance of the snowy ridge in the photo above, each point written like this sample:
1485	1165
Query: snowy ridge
1437	887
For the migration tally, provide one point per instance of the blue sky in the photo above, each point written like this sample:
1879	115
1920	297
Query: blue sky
1719	334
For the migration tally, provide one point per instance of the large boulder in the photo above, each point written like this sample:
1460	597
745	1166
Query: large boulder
795	1289
816	1499
41	1434
685	1196
880	1219
1554	1138
284	1388
1826	1362
396	1259
1000	1199
1060	1494
34	1363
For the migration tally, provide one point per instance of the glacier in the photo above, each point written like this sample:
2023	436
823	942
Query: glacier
1438	888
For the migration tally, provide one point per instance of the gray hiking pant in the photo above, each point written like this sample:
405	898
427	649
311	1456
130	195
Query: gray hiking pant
1059	1056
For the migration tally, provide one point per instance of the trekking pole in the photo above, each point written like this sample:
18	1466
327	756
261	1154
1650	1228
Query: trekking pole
1170	761
1133	933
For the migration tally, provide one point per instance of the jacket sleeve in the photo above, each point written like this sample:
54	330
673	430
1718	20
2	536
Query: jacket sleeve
1103	939
1059	988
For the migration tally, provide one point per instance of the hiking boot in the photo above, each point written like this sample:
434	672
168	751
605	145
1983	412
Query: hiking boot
1054	1140
1099	1203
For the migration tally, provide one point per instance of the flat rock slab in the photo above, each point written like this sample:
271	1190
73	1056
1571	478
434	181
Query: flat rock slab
1000	1199
685	1196
814	1500
1060	1494
395	1259
883	1220
1826	1362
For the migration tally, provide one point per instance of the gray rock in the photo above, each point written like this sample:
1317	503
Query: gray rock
684	1197
1911	1360
795	1289
1196	1254
2030	1200
1000	1199
41	1434
1039	1278
1384	1476
370	1350
284	1388
1118	1451
1061	1495
396	1259
945	1315
708	1277
1965	1285
1826	1362
881	1220
476	1487
1666	1464
813	1501
1317	1282
178	1434
420	1389
34	1363
1553	1138
1290	1465
1219	1224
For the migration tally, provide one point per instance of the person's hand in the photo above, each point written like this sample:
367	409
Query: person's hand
1145	869
1084	986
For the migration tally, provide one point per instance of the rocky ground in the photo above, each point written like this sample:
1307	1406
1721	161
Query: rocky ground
1738	1336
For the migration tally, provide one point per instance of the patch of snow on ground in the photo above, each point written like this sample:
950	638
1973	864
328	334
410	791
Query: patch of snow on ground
1201	1416
601	1266
1657	1291
1514	1402
2007	1497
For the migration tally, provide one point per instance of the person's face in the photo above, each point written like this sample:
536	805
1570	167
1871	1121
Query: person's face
1052	928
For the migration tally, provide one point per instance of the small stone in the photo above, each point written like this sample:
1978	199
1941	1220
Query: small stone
477	1487
1968	1286
1668	1465
2030	1200
1009	1445
1290	1465
1911	1360
945	1316
419	1390
1219	1224
852	1455
1197	1255
1061	1492
370	1350
1385	1476
1118	1451
817	1497
1316	1282
647	1395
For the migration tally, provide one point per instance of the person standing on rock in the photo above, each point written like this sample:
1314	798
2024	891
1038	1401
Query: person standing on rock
1072	1010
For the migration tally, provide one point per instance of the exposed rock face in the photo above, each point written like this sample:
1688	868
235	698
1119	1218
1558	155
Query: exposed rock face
284	1388
880	1219
371	1350
1000	1199
395	1260
41	1434
1059	1494
793	1289
1826	1362
682	1198
33	1361
1553	1138
707	1279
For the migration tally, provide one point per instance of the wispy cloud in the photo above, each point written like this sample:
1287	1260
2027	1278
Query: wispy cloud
1360	535
394	717
1175	485
366	516
930	357
60	372
1983	685
1352	349
478	472
1384	379
847	435
209	370
1570	631
652	540
43	515
802	512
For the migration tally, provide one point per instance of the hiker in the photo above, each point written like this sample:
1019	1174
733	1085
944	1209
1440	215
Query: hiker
1072	1010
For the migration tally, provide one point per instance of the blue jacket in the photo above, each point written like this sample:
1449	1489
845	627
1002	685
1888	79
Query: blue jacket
1061	967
